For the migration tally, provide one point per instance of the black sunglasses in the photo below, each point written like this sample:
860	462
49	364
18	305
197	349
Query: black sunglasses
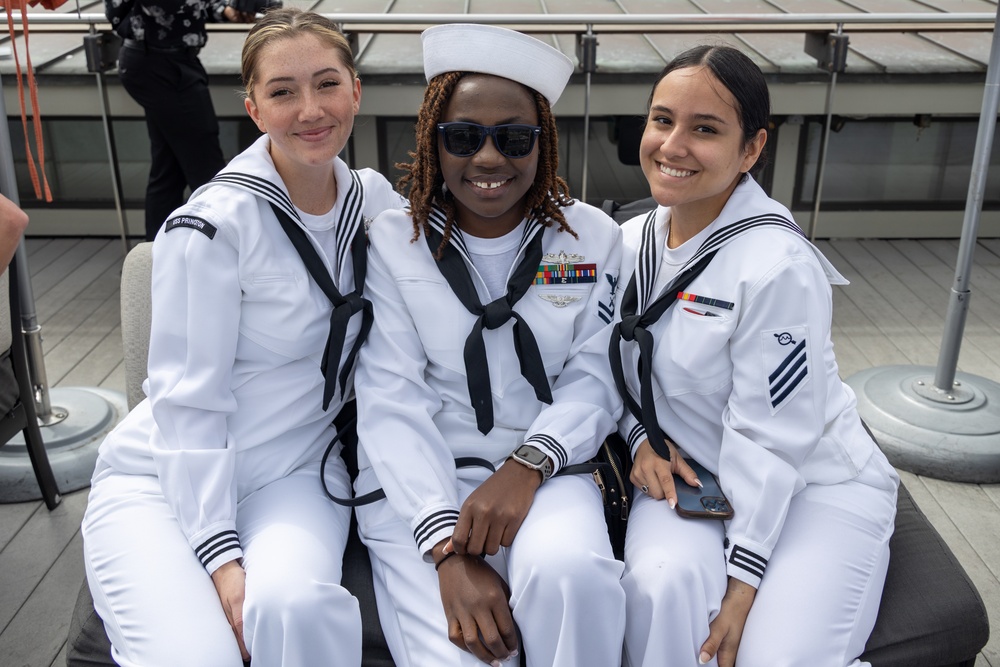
465	139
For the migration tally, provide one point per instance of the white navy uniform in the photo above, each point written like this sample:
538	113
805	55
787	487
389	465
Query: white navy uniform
415	418
745	382
221	461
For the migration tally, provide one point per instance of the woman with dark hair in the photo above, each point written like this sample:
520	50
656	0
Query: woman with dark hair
723	355
208	538
482	291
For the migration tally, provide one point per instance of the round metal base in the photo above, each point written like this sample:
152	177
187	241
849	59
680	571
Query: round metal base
71	443
924	431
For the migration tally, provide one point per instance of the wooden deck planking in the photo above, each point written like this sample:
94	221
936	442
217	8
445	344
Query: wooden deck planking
46	608
893	313
62	359
882	331
28	557
912	293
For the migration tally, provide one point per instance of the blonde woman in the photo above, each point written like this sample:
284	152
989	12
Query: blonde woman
208	538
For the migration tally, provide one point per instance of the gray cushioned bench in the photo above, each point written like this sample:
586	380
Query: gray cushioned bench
931	613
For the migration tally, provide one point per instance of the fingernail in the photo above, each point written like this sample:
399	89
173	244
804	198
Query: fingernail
447	548
495	663
704	658
514	653
673	504
699	484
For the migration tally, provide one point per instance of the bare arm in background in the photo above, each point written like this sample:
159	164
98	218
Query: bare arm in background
13	222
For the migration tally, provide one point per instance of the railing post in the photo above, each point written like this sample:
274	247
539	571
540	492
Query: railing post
102	54
830	52
586	53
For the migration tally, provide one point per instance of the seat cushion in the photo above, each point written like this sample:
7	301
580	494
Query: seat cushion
931	613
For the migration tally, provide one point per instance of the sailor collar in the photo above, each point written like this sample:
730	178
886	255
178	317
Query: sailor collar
253	171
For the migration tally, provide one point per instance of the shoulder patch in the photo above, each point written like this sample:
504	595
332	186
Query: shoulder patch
785	363
606	306
191	222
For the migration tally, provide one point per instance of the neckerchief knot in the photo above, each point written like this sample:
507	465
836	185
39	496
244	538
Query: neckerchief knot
497	313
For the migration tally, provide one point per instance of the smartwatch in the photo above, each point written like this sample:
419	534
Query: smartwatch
533	458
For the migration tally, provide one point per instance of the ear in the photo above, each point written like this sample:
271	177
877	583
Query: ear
254	114
357	95
754	148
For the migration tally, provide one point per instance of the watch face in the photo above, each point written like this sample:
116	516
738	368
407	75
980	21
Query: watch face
531	455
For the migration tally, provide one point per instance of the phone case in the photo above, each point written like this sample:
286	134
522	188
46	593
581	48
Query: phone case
708	502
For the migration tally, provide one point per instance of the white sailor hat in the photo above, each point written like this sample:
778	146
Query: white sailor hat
486	49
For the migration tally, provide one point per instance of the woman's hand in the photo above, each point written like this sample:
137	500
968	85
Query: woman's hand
655	475
475	600
726	630
493	513
230	583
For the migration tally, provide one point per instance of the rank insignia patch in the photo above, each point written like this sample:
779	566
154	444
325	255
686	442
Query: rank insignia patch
786	363
565	274
191	222
606	311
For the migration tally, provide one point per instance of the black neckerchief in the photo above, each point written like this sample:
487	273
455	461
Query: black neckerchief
493	315
350	238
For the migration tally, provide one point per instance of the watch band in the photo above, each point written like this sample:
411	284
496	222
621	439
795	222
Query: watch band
534	458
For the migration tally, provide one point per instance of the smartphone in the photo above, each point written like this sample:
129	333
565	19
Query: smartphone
708	502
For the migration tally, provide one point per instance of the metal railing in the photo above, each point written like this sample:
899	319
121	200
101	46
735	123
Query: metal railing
587	28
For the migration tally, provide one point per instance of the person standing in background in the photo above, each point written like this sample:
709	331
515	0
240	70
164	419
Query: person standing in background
159	68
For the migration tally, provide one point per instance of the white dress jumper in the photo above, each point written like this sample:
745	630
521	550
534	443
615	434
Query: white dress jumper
221	461
745	382
416	418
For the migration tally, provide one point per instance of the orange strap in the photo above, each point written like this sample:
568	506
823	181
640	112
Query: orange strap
33	94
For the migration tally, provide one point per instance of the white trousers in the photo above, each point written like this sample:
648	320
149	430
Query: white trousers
159	604
566	595
816	604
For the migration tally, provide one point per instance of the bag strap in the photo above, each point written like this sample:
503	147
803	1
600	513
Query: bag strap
379	494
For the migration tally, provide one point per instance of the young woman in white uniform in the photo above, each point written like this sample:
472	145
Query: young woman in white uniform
743	380
482	291
208	537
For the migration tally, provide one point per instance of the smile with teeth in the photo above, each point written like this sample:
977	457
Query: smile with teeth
677	173
490	185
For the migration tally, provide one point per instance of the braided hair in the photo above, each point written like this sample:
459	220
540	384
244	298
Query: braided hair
544	200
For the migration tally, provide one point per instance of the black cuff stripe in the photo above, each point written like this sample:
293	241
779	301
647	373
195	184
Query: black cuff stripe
230	545
433	522
553	444
635	435
748	560
213	542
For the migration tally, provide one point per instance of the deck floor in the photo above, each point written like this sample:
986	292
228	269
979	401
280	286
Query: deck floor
892	313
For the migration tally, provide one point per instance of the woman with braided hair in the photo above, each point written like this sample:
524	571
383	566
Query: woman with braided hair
500	279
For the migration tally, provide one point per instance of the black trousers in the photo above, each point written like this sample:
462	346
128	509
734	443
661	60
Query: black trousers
172	88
